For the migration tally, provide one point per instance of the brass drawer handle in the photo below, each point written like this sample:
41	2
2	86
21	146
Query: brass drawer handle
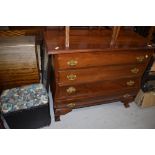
140	58
71	90
71	105
135	70
72	63
130	83
71	77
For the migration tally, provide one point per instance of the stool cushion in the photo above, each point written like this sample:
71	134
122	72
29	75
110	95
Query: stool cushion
23	98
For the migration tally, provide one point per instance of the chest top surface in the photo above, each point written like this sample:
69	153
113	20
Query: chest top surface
92	40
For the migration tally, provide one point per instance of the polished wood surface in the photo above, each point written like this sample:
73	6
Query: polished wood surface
93	71
112	57
71	103
95	89
92	39
18	63
79	76
62	108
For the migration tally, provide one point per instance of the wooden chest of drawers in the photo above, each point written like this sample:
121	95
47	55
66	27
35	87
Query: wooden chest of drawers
86	77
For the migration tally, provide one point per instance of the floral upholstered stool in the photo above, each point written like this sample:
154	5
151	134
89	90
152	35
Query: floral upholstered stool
26	107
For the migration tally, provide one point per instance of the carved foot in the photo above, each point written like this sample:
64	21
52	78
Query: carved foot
127	98
126	105
60	111
57	118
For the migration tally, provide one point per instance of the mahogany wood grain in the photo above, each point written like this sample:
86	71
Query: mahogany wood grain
90	59
127	38
90	101
102	88
61	108
103	72
99	74
94	39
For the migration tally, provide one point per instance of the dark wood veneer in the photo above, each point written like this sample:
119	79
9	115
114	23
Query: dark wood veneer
100	58
18	64
103	66
88	75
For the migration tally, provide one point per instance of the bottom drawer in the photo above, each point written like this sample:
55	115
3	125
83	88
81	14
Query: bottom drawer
91	101
104	88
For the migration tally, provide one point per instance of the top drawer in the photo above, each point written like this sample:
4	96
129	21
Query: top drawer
88	59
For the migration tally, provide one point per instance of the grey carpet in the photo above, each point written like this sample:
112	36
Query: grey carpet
106	116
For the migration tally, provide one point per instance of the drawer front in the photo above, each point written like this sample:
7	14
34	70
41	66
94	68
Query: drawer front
77	103
77	76
79	60
97	89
